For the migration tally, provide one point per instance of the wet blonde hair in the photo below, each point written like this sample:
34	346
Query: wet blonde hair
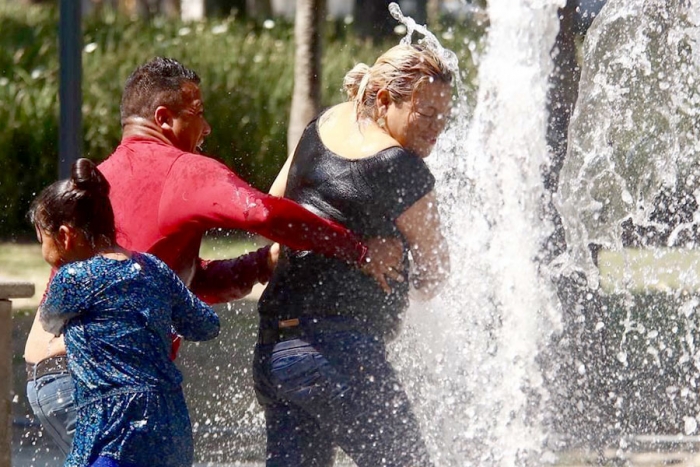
401	70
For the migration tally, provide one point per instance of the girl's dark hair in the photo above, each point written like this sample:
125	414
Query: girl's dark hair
82	202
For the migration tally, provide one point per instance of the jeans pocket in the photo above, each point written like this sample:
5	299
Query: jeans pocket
303	375
298	370
52	403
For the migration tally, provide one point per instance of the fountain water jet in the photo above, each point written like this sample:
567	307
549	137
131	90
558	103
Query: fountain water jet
631	179
481	391
635	130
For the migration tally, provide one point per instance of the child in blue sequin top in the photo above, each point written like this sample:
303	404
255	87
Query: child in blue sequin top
116	309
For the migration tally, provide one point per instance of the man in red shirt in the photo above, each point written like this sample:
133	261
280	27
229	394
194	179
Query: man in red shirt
165	196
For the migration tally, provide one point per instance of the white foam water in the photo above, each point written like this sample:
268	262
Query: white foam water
471	355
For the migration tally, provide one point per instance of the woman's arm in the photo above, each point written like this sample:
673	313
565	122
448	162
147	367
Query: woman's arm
221	281
279	186
383	254
420	225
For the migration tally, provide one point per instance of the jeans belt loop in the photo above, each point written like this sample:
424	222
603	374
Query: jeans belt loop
292	328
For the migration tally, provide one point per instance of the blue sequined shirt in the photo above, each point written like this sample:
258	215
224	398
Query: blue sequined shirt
117	318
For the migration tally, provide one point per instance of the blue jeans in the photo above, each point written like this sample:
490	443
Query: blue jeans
335	389
51	398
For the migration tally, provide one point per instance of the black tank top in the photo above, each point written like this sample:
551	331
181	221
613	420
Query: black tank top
367	196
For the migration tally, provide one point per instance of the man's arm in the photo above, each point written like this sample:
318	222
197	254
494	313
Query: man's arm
203	191
226	280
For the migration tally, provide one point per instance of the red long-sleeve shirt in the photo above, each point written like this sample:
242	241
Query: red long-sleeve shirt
165	199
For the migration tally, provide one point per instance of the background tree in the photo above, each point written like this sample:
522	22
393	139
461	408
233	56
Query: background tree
421	12
561	99
259	8
372	19
563	90
306	96
225	7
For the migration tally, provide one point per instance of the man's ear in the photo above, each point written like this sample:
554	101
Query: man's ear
163	117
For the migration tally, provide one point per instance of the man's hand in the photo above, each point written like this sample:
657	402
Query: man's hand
384	260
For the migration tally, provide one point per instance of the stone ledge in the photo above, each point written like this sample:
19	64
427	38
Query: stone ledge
13	289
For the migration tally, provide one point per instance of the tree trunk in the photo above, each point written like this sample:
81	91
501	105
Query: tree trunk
433	11
372	19
259	8
563	90
421	14
306	96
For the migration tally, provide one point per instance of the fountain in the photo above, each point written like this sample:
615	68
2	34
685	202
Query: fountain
482	393
523	358
627	196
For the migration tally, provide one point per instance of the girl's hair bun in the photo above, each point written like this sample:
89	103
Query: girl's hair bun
86	177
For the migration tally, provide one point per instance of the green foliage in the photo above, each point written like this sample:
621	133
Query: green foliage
246	70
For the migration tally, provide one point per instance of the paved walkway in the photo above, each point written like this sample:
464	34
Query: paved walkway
45	455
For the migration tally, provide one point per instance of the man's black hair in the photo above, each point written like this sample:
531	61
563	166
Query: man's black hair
158	82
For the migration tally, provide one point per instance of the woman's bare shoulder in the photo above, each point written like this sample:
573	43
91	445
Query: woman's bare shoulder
342	132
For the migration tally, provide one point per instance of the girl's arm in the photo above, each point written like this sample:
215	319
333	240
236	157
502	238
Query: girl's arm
420	225
192	318
64	299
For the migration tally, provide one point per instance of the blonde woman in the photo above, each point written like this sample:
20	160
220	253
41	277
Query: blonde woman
320	365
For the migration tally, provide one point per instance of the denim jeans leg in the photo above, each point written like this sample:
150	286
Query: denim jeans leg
349	391
51	399
309	446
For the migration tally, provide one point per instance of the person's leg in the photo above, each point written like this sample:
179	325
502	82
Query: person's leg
346	386
383	428
294	439
51	399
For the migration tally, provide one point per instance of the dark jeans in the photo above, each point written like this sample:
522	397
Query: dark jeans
51	398
335	389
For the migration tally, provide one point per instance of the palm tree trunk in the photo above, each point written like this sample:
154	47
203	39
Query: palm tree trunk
306	96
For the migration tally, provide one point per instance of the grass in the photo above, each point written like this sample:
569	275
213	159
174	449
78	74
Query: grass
658	270
23	261
649	270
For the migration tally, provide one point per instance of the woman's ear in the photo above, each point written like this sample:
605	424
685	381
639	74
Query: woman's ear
382	107
383	100
163	117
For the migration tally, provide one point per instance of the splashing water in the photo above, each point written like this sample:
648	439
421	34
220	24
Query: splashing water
480	390
429	39
631	179
635	131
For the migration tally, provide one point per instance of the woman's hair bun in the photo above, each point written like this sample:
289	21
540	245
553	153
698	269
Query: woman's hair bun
353	79
85	176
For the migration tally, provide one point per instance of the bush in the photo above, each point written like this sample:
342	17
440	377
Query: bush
246	72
